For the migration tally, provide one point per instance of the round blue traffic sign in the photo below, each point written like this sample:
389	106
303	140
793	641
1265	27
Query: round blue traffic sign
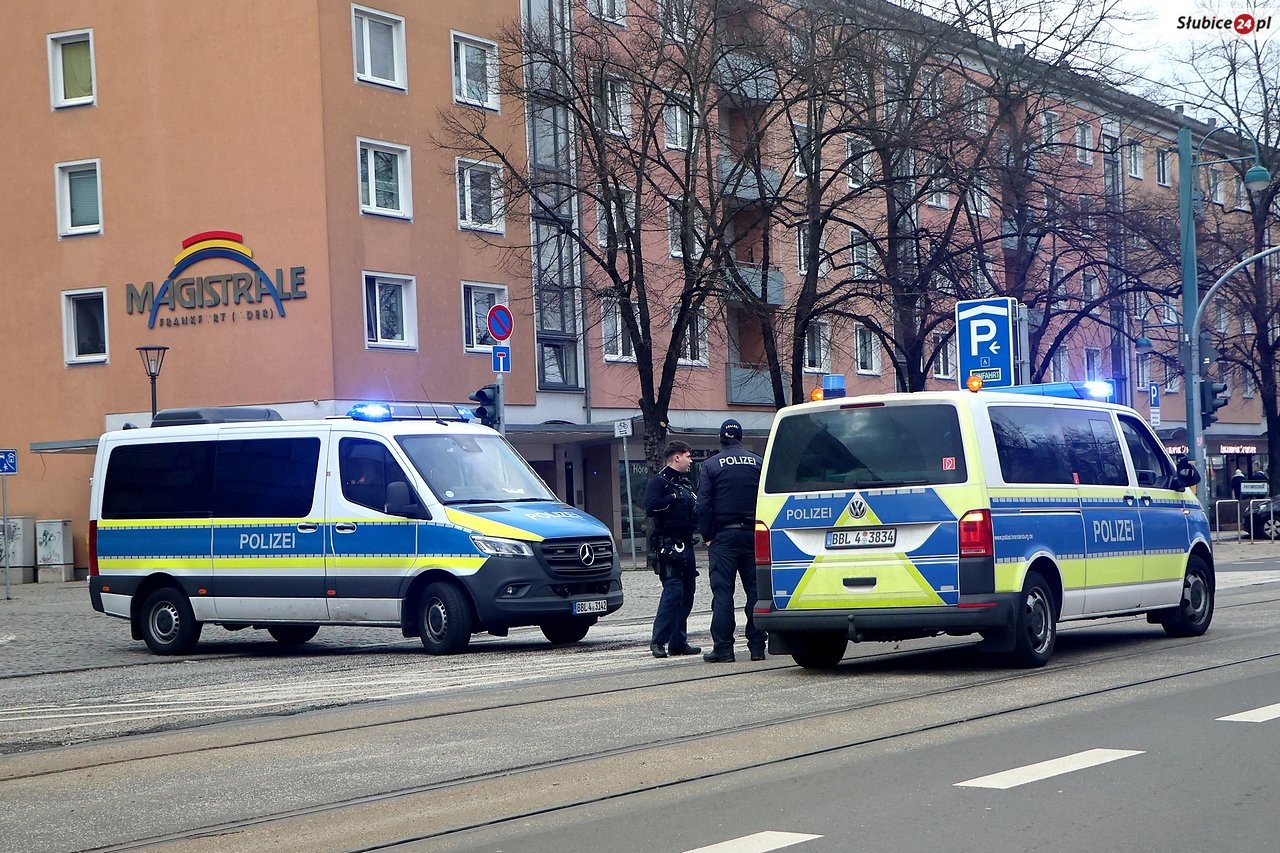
500	322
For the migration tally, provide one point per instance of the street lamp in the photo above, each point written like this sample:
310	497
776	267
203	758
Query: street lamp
152	361
1255	178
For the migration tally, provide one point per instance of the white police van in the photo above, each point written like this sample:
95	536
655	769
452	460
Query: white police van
433	525
900	516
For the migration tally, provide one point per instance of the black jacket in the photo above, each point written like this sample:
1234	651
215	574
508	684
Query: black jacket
669	501
727	489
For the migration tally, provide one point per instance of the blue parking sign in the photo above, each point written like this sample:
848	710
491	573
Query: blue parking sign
984	334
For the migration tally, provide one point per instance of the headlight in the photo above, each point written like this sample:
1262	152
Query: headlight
496	547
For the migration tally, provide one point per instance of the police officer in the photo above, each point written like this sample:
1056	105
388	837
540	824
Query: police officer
669	501
726	518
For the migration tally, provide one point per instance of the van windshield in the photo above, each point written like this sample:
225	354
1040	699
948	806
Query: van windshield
466	469
872	446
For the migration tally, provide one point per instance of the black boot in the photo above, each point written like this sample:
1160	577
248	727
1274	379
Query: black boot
718	657
684	650
658	650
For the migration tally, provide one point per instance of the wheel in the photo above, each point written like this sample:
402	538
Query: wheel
565	631
292	635
445	620
819	651
1193	614
1036	629
168	625
1268	528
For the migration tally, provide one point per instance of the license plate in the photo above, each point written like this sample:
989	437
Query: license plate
597	606
871	537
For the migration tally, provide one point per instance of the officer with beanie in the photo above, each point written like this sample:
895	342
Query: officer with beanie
726	517
669	501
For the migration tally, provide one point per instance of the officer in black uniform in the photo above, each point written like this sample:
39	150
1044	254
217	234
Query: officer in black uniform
726	517
669	501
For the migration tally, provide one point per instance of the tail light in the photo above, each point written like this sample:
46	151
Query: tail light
93	549
764	552
975	534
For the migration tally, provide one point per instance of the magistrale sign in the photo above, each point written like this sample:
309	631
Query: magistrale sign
190	299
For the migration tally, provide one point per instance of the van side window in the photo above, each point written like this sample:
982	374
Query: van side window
1150	463
1095	447
1030	445
372	478
265	478
159	480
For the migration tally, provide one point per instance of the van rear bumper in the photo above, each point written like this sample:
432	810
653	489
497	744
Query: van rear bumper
987	612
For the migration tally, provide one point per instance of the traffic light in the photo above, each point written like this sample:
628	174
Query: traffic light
489	410
1213	396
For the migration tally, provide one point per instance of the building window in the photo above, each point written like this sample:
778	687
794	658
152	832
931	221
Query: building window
944	362
1142	379
1248	385
975	108
477	299
677	19
384	179
693	349
866	352
613	104
555	266
71	69
1050	127
1172	377
864	261
1089	286
1241	193
931	93
1084	143
475	71
804	150
84	326
1162	167
1059	366
980	196
1136	159
858	154
378	41
1092	364
935	184
802	252
480	196
79	187
390	311
679	121
1215	185
817	347
618	344
675	227
614	11
624	213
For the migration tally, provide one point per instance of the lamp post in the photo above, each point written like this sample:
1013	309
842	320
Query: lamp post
152	361
1255	178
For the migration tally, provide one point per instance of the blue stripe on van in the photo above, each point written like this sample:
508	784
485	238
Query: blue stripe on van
154	541
904	506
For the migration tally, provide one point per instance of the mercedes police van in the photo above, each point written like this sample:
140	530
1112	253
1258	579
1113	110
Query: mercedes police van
899	516
434	525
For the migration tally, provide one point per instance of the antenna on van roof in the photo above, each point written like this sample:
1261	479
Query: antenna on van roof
434	409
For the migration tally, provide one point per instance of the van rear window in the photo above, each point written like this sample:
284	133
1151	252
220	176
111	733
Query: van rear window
873	447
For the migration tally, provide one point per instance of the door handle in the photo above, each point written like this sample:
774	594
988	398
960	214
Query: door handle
1146	500
308	527
344	527
1130	500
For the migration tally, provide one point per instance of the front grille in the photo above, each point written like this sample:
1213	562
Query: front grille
564	557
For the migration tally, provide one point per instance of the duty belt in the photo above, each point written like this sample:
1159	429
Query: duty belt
737	525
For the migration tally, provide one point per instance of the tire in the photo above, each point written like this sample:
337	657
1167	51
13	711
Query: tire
563	632
168	625
1193	614
1035	630
292	635
1266	527
444	620
819	651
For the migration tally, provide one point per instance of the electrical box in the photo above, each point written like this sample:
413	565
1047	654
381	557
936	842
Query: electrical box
54	547
18	540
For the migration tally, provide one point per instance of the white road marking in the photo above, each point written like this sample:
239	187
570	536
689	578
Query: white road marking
761	842
1046	769
1257	715
1226	580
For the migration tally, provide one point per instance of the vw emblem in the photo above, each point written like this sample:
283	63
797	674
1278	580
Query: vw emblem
586	554
857	507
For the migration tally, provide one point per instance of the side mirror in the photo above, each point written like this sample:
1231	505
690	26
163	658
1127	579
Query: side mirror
1188	474
401	501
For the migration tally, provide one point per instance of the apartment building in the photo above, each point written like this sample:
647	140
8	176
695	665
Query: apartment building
281	195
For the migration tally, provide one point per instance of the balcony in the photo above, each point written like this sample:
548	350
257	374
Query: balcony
748	385
745	79
766	284
738	181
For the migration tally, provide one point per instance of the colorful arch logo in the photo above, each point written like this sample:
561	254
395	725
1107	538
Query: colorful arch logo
214	244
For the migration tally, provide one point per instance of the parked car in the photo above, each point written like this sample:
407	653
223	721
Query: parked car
1264	519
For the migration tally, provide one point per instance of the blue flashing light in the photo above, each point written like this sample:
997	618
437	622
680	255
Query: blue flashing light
1099	389
370	412
832	386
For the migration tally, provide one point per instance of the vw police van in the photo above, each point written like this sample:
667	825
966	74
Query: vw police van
436	526
911	515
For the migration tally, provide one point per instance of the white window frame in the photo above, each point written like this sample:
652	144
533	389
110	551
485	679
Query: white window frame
460	41
802	147
1060	365
1050	127
802	238
677	19
613	11
619	226
975	113
858	155
1240	201
1172	378
1084	143
675	227
613	104
936	194
1248	385
70	340
1092	364
817	337
1216	191
944	366
866	351
365	149
679	122
464	168
864	259
56	41
1162	167
615	343
1137	159
62	186
695	336
401	79
1088	286
408	308
932	93
1142	374
475	328
980	196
